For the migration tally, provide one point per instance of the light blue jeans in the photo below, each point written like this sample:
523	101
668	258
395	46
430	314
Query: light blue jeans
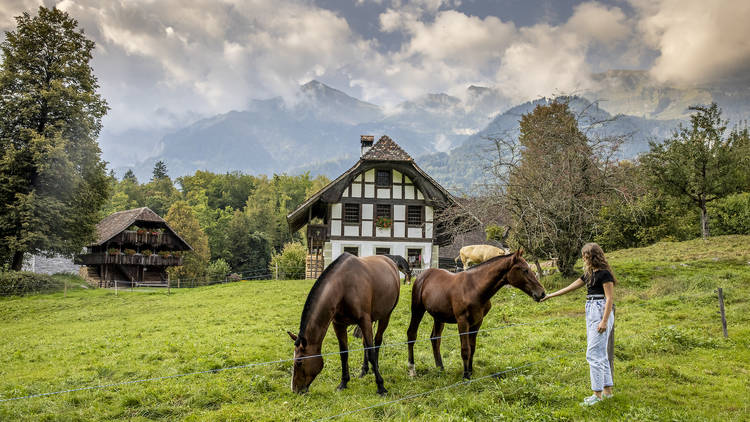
596	352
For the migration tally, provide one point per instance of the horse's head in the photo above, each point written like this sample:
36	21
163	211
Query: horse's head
307	364
521	277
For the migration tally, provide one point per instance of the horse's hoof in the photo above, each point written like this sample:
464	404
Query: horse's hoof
382	391
362	374
467	376
412	371
341	386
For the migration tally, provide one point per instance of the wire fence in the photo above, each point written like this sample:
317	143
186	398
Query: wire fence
271	362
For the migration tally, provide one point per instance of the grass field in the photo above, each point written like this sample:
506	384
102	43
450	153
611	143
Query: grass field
672	362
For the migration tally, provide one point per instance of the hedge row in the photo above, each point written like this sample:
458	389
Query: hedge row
17	283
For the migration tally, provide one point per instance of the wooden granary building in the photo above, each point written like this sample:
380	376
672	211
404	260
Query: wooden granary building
133	247
384	204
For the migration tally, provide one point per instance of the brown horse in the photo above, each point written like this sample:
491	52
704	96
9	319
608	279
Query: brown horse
350	291
464	298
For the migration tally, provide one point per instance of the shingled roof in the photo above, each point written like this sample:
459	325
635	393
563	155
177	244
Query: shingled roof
386	150
115	223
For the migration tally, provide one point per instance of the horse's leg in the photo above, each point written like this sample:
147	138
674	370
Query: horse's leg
464	327
473	343
342	336
417	312
366	325
437	331
365	365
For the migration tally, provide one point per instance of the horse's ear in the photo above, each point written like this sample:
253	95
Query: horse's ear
292	335
520	251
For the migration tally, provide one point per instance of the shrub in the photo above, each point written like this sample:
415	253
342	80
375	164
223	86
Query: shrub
218	269
730	215
24	282
235	277
146	252
290	262
113	251
164	254
129	251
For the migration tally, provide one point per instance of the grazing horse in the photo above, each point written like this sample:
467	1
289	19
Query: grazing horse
403	266
476	254
464	298
350	291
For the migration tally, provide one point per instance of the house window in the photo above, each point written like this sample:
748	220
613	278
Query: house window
382	251
352	250
414	215
383	178
351	213
383	210
414	256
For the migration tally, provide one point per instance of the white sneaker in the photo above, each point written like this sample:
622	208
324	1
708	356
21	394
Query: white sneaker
590	400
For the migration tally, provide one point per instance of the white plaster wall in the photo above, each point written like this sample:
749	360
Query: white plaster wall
367	211
428	213
399	212
409	192
336	210
369	191
397	191
367	248
419	194
396	176
356	190
384	194
336	228
367	228
428	230
370	175
399	229
351	230
414	232
382	232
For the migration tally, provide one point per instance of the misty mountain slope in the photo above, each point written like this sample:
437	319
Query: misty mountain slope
462	169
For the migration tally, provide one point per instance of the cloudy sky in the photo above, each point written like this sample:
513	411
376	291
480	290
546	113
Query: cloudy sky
162	63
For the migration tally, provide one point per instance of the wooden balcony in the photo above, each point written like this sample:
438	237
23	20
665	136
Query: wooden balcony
123	259
132	237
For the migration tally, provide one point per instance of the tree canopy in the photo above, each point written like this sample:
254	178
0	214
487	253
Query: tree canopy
52	179
701	163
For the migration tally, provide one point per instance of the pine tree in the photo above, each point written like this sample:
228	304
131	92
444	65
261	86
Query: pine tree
160	171
53	182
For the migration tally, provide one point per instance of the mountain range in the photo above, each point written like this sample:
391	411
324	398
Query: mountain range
318	130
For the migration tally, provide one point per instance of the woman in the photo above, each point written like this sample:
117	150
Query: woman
600	319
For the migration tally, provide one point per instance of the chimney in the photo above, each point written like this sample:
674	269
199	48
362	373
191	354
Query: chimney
367	141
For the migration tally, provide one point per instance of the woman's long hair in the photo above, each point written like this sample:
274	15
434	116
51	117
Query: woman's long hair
593	260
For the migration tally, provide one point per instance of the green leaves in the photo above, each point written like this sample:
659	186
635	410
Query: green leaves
54	182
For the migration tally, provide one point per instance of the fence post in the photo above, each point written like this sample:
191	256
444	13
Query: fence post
723	316
277	271
169	285
65	289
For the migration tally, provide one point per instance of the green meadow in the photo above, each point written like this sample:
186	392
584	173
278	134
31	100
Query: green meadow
672	361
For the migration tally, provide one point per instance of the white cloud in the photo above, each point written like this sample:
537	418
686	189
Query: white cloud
698	41
596	22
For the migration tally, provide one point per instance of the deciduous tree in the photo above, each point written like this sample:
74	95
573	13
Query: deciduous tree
701	163
52	179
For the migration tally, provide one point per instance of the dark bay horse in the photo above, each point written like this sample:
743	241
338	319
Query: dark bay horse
403	266
350	291
464	298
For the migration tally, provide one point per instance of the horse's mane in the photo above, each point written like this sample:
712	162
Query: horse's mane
314	294
493	259
400	261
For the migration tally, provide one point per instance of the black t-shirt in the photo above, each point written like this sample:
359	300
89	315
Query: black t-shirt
600	277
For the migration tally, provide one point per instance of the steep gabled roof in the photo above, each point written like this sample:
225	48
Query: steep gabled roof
115	223
386	150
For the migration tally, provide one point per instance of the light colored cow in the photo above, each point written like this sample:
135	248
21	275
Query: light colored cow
476	254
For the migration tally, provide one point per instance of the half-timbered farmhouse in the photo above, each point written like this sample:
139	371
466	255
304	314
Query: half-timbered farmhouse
133	247
384	204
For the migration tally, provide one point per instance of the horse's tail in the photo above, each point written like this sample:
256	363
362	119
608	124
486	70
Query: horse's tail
357	332
457	258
